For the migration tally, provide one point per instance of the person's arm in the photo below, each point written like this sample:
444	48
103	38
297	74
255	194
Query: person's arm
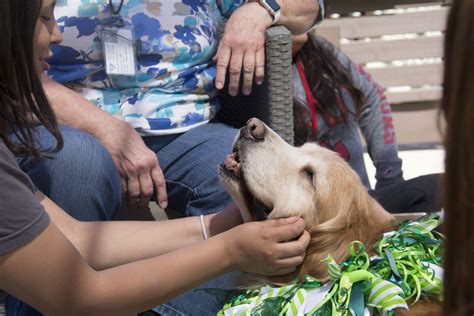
108	244
376	123
49	274
138	166
297	16
242	48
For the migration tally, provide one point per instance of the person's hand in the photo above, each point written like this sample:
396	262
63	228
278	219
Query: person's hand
271	247
243	48
138	166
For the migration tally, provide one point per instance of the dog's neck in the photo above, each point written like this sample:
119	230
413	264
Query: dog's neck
382	214
334	238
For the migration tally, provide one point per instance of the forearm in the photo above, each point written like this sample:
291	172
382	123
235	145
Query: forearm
154	281
72	109
109	244
124	242
297	16
126	290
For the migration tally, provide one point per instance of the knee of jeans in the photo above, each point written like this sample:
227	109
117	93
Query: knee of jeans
93	164
211	198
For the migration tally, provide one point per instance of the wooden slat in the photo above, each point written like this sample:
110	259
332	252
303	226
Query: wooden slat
349	6
415	95
382	50
413	75
376	26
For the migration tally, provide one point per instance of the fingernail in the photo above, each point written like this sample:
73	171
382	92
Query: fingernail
246	91
219	85
292	219
164	204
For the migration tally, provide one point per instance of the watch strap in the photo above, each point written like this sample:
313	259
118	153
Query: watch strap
274	13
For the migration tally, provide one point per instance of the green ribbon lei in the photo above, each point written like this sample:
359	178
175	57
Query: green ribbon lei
406	266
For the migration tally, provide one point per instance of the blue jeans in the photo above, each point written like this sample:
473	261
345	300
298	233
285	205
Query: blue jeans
198	302
189	162
83	180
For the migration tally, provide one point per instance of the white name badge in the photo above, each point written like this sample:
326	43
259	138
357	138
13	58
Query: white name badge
119	51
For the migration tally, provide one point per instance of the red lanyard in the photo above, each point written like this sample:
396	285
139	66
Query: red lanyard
309	95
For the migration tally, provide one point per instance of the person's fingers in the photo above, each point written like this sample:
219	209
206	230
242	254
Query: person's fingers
287	228
249	70
133	191
123	184
160	186
260	66
133	184
295	248
222	60
289	263
235	68
284	221
123	175
146	189
276	272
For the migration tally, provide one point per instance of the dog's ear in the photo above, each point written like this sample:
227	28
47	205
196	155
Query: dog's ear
356	219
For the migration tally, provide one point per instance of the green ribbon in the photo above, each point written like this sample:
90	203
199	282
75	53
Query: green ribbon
407	265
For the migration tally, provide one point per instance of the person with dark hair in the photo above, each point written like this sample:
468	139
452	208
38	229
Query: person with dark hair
61	266
334	100
457	107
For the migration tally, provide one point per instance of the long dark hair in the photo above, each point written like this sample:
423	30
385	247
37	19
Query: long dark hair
22	99
327	76
458	108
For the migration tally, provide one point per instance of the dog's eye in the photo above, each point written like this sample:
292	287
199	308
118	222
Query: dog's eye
309	174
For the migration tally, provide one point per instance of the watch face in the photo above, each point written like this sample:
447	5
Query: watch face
273	4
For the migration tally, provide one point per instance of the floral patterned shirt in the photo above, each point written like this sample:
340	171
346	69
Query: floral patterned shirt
173	89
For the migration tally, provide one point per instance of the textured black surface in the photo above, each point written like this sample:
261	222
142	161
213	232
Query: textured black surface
272	101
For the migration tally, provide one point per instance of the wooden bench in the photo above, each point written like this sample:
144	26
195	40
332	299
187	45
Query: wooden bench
402	48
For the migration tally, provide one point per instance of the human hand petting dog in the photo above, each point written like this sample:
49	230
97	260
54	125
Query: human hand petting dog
271	247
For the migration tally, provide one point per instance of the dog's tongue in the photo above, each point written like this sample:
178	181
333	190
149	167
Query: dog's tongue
231	164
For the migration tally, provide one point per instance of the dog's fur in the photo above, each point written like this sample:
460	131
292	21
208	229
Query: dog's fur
266	175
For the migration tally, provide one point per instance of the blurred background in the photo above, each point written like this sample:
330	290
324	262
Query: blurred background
400	43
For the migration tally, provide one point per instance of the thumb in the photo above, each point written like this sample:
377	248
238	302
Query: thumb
288	228
284	221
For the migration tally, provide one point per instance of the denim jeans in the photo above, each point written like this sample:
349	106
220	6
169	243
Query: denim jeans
83	180
190	162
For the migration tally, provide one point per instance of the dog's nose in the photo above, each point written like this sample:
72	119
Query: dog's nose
254	129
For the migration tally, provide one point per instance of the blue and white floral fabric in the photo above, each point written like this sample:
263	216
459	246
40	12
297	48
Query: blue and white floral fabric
173	89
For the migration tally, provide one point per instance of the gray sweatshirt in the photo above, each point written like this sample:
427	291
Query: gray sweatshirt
374	121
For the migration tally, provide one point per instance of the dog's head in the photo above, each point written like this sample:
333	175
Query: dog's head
268	178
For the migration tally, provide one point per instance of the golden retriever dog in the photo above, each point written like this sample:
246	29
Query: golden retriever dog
268	178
